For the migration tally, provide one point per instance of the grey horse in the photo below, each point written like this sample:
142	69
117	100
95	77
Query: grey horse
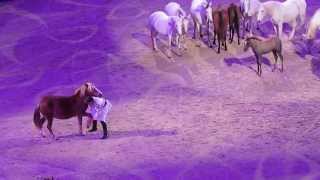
262	46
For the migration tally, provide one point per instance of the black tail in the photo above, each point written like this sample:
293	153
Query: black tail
37	117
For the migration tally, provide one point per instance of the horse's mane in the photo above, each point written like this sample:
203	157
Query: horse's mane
82	89
254	38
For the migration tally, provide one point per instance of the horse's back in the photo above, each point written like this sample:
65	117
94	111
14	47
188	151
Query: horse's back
159	21
61	107
197	5
172	9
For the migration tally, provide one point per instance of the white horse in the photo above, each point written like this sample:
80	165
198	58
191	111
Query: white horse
174	9
314	25
250	10
161	23
288	11
201	13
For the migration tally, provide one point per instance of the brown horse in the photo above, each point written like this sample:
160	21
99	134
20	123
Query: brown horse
261	46
234	14
220	25
64	107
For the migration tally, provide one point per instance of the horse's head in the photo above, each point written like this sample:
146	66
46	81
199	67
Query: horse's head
261	13
176	24
88	89
251	42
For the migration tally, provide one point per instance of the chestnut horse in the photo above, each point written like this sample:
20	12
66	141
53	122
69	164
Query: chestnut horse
234	14
64	107
220	25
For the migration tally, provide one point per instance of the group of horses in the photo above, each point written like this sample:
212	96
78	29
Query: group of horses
221	20
174	23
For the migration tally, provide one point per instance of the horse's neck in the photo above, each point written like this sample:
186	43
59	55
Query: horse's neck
255	43
273	8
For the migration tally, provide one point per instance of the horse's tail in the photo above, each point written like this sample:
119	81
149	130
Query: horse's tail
37	118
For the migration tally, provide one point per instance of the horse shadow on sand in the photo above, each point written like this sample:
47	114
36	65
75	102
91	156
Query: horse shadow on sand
248	62
163	63
162	43
121	134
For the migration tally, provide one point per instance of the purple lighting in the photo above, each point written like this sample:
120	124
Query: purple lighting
197	116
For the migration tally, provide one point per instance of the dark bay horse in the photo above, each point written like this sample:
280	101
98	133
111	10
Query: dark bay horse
64	107
220	25
261	46
234	14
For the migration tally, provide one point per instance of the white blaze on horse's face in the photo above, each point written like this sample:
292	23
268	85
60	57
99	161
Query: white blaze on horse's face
177	23
261	13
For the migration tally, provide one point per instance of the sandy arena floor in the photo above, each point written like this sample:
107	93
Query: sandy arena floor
203	116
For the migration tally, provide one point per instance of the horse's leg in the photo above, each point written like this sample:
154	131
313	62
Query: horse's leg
238	32
208	29
258	66
230	30
294	26
49	126
214	37
280	27
233	31
42	120
153	39
250	26
177	41
169	45
80	125
274	52
200	31
225	43
281	58
219	40
194	29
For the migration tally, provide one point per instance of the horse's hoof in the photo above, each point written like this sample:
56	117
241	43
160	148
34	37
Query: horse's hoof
104	137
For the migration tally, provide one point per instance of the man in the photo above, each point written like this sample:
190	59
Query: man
98	108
